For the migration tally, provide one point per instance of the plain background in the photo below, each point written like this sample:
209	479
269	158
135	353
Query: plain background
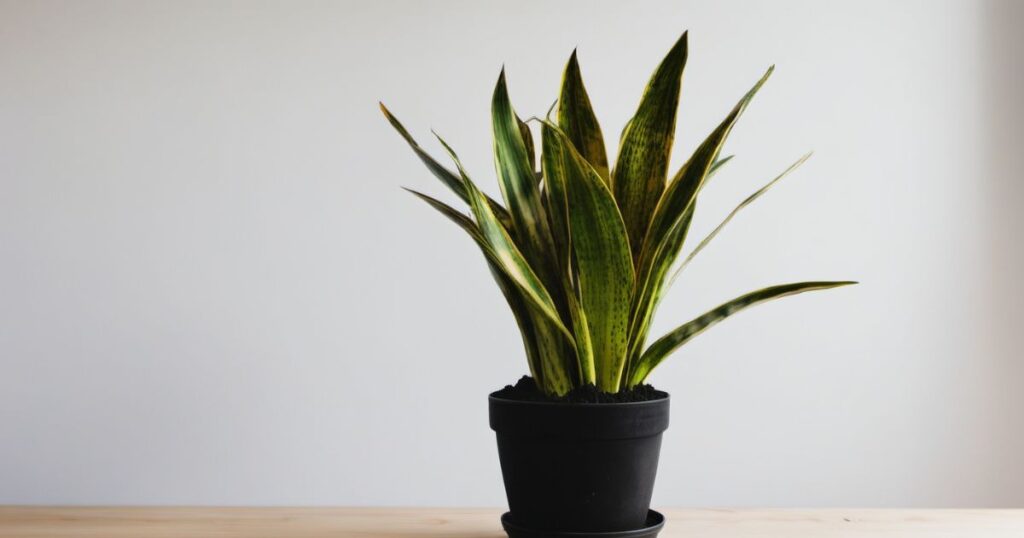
213	291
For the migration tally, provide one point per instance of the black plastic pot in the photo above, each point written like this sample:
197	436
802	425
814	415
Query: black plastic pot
579	468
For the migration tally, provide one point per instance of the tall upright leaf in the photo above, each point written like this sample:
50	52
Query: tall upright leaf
601	251
517	179
665	345
576	118
684	186
557	203
640	171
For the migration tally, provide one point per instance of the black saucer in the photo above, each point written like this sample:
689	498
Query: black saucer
655	521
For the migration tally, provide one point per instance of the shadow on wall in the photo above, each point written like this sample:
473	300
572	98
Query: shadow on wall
1005	170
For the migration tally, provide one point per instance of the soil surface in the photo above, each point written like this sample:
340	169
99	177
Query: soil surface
526	390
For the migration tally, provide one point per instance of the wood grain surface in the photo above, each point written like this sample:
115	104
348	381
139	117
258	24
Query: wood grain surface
184	522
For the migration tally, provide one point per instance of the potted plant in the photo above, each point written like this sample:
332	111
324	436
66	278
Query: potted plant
583	252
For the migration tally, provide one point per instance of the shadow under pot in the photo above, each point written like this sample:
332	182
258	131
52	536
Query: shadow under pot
577	469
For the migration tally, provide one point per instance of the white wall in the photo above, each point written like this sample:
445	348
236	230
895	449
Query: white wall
213	291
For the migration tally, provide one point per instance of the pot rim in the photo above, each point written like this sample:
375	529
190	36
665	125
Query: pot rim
662	397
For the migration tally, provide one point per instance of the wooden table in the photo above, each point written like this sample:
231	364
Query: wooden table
56	522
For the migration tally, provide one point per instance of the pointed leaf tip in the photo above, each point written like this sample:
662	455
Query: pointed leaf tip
682	41
639	175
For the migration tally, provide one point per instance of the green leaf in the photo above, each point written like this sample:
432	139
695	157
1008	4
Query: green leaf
524	131
649	287
665	345
506	252
556	357
581	329
576	118
446	176
718	164
640	171
750	199
601	251
557	204
671	222
516	302
683	189
517	179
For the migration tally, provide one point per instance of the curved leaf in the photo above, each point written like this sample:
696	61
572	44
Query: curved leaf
506	251
516	302
665	345
446	176
718	164
750	199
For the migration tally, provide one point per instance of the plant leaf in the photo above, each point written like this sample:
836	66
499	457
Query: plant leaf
576	118
649	286
524	131
506	252
671	222
665	345
640	171
718	164
556	356
750	199
601	252
584	347
446	176
685	185
557	204
516	302
517	179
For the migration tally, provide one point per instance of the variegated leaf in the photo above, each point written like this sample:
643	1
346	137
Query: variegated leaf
600	246
665	345
518	181
671	222
516	302
446	176
638	179
506	251
749	200
576	118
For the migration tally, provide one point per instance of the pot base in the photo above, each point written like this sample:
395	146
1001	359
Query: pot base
655	521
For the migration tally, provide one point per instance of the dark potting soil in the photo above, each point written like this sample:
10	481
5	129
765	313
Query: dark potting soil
525	390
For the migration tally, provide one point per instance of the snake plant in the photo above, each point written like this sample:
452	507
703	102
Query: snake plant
583	249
